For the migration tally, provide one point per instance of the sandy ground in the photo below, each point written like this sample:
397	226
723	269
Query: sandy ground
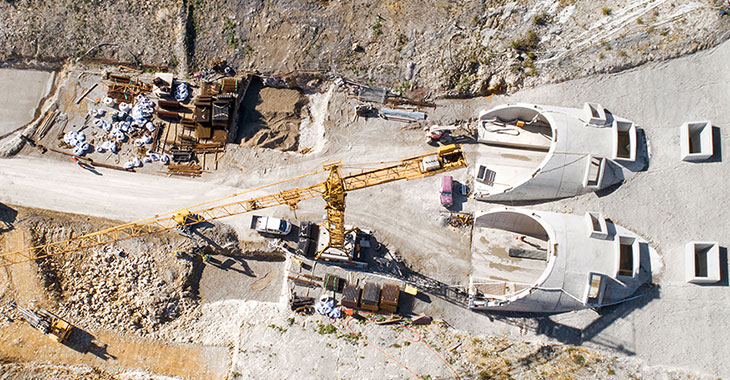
113	350
20	96
670	204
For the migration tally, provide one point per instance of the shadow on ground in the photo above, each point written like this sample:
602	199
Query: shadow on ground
251	120
381	261
544	324
83	342
8	216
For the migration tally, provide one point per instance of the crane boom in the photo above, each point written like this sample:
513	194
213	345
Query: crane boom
182	217
333	190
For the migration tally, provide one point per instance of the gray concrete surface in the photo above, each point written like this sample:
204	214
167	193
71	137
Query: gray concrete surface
226	278
673	202
21	92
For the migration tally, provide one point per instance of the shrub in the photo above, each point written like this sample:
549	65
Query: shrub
541	19
326	329
527	43
377	28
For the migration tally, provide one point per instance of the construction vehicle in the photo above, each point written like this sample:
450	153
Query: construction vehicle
46	322
332	190
270	225
435	133
460	219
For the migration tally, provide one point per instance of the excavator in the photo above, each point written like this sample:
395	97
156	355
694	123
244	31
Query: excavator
332	190
46	322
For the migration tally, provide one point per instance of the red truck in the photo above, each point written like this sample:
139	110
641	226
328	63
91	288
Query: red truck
447	197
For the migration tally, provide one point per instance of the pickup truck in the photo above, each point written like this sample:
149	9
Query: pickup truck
270	225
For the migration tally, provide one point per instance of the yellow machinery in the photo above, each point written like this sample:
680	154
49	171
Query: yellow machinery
185	217
46	322
332	190
59	329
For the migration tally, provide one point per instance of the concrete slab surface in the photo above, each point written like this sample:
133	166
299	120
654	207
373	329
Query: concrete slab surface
21	92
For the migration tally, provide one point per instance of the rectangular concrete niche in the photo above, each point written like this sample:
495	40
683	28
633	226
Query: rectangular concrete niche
595	288
624	141
597	225
627	257
695	140
485	176
595	167
702	262
595	113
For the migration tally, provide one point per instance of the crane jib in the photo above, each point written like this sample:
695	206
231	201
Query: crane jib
333	191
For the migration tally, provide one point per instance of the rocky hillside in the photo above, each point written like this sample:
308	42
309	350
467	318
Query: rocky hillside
456	47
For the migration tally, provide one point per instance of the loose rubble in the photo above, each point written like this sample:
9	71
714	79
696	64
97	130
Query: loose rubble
113	289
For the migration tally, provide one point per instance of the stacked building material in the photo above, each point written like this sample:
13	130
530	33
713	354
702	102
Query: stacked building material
389	298
307	235
123	89
332	283
370	297
351	296
298	301
169	104
191	170
181	155
168	115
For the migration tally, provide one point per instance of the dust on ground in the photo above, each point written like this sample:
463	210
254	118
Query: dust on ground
269	338
213	322
272	117
102	353
233	323
455	47
45	33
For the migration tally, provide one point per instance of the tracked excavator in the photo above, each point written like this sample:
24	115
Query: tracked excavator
332	190
46	322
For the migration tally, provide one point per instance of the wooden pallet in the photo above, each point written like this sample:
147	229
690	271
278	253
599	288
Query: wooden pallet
183	169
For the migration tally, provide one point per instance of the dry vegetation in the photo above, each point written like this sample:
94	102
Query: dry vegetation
457	48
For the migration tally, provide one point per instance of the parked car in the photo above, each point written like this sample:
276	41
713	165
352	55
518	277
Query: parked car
447	197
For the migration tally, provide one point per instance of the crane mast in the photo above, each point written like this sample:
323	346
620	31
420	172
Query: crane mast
332	190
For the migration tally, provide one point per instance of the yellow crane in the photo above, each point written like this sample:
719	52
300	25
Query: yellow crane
332	190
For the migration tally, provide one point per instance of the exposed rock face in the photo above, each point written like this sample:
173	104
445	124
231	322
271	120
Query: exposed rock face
51	31
453	47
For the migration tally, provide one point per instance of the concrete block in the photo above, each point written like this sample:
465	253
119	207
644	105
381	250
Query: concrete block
597	225
595	113
627	257
695	140
624	140
702	262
